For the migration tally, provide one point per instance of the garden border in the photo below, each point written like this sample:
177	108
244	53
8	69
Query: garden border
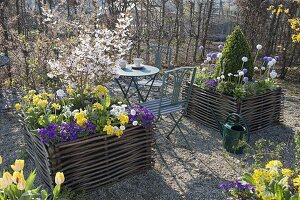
259	111
93	161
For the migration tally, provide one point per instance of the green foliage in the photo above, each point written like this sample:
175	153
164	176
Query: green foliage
67	194
236	47
297	149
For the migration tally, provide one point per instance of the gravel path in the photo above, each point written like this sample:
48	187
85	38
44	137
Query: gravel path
179	173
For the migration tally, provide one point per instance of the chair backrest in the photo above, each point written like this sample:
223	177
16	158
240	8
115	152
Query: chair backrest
174	81
159	52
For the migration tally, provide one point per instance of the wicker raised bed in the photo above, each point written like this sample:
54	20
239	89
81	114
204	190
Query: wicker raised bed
93	161
259	111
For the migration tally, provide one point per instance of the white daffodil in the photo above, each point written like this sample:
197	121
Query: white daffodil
256	68
241	73
259	47
230	74
219	55
244	59
222	76
208	58
122	128
263	68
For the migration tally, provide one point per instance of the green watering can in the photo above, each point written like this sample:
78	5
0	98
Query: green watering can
234	134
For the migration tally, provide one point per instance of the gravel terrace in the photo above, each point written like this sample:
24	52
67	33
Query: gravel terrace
180	173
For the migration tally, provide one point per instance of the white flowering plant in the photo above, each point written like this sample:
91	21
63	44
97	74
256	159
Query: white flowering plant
238	84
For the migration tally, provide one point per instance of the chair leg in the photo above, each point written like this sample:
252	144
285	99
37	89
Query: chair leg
177	125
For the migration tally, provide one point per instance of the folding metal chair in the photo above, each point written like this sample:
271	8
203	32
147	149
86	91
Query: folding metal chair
172	100
158	52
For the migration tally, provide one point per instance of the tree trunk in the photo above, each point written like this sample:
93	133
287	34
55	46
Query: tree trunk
209	12
198	33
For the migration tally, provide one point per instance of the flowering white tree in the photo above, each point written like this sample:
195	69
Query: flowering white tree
92	59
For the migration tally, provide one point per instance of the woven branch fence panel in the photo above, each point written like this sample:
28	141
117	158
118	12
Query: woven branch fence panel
93	161
259	111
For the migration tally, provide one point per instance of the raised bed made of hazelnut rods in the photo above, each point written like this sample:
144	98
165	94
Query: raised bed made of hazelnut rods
93	161
259	111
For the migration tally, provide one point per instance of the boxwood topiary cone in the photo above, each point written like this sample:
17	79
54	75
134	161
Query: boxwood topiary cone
235	47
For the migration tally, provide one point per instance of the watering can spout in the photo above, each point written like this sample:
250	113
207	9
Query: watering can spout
217	122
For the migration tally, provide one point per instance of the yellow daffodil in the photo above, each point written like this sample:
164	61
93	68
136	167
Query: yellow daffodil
25	98
44	95
80	118
109	129
274	164
42	103
1	159
124	119
2	184
296	181
70	90
51	96
18	106
30	109
56	106
21	184
59	178
287	172
31	92
17	176
51	118
18	166
35	99
7	178
287	11
97	106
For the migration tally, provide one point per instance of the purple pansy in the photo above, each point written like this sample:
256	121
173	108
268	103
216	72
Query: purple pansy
245	79
277	58
245	70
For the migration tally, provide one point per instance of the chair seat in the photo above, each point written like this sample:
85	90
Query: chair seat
147	82
166	106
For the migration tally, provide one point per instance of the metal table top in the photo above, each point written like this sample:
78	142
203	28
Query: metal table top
4	60
147	70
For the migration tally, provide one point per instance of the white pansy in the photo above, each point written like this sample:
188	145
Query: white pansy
270	64
134	123
274	61
203	69
116	128
241	73
219	55
263	68
132	112
208	58
259	47
60	93
255	68
222	76
122	128
244	59
273	74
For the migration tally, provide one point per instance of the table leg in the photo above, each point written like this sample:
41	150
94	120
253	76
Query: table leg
152	79
124	93
141	98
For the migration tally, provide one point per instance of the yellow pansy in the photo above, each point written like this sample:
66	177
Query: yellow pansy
18	166
51	96
1	160
44	95
25	98
18	106
7	178
17	176
59	178
124	119
274	164
287	172
118	132
109	129
287	11
21	184
56	106
80	118
97	106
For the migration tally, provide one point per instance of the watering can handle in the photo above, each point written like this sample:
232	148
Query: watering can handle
240	117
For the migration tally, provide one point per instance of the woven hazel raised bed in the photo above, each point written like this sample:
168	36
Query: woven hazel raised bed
259	111
93	161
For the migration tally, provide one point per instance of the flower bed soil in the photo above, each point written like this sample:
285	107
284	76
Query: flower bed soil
95	160
259	111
